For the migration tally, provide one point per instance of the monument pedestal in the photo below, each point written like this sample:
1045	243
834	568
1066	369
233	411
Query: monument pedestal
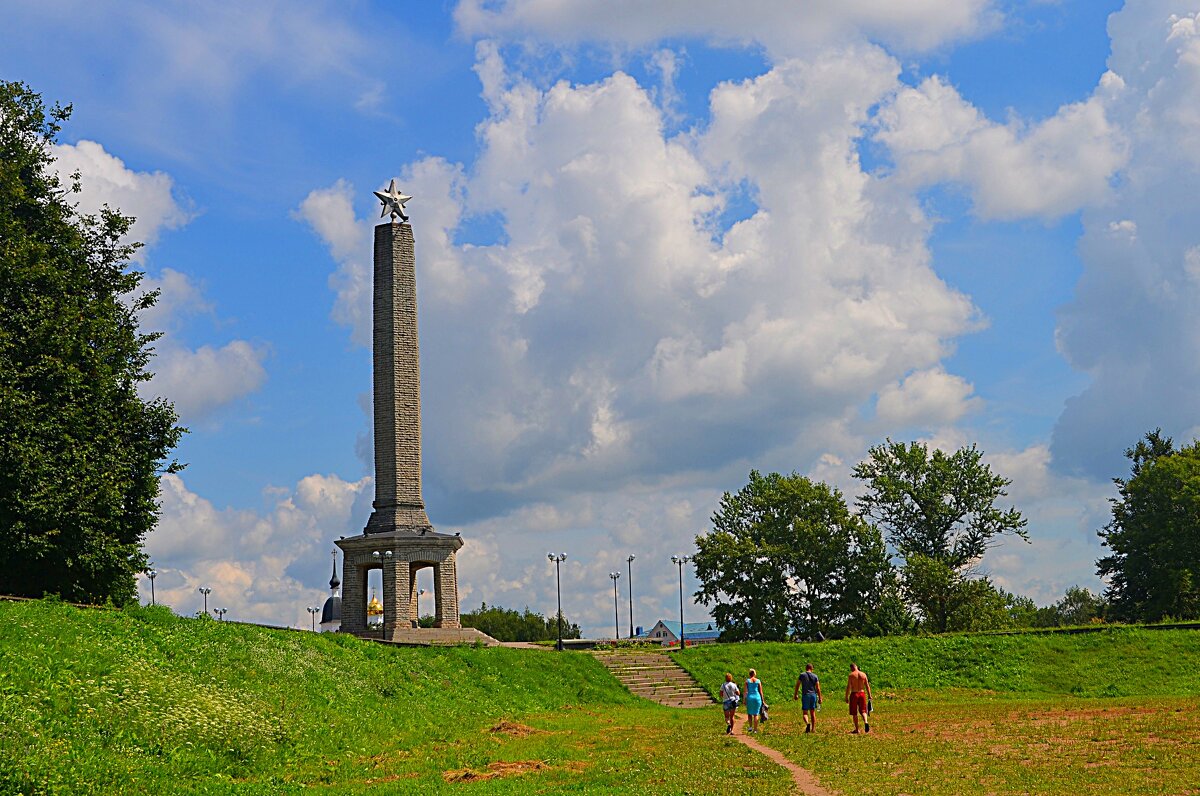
439	637
399	555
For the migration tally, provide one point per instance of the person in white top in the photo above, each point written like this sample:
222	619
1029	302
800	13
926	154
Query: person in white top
729	700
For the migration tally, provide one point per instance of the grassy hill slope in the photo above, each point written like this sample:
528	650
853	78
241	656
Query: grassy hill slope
98	700
142	701
1113	663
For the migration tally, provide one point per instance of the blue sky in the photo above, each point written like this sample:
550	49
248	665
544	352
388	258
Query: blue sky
658	245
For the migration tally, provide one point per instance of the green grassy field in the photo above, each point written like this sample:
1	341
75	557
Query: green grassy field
1113	663
1116	712
964	744
141	701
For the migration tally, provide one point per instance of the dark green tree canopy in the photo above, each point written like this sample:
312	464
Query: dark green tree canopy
80	451
786	555
939	506
507	624
1153	570
1078	606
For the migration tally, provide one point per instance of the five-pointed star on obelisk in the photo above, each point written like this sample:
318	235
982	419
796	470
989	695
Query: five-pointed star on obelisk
393	202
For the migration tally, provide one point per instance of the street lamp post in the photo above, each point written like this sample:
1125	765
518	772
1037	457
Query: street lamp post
152	575
205	591
616	616
629	562
314	611
220	612
680	561
419	593
558	559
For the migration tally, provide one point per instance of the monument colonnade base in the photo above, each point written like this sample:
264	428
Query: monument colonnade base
409	553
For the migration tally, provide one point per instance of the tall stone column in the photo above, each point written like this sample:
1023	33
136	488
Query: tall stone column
354	599
398	536
397	385
396	595
445	584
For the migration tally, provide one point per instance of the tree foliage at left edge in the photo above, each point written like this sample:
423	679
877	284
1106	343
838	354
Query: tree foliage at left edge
787	557
80	452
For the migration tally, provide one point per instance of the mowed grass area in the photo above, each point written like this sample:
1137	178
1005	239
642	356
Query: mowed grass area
142	701
1122	661
1113	712
972	745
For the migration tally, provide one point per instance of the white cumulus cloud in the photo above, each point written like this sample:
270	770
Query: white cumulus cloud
1131	325
330	212
199	380
928	398
105	179
784	27
263	566
1011	170
614	319
1064	513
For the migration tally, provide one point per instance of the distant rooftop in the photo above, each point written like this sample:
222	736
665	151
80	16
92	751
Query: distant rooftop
690	629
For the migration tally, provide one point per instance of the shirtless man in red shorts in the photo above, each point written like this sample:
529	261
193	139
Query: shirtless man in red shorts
858	691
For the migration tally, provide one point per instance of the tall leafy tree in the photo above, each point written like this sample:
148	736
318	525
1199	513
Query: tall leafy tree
1153	570
80	451
786	555
1078	606
939	506
950	600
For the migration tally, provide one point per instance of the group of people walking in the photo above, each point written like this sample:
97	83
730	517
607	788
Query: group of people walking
807	690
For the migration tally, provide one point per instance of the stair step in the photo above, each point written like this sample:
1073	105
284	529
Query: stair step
656	677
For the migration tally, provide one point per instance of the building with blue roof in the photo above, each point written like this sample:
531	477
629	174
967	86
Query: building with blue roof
666	632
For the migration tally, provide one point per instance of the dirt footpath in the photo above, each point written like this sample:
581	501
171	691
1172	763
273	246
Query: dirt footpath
804	780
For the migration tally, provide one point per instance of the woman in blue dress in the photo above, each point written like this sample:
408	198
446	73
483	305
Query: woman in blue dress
754	700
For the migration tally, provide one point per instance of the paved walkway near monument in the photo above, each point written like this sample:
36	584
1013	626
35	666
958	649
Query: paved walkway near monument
657	677
525	645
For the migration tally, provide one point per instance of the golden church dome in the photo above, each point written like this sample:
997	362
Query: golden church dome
374	608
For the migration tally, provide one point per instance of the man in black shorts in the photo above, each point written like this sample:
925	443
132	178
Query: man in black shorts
808	690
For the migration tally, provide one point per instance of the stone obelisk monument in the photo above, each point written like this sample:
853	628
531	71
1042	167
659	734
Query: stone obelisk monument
398	539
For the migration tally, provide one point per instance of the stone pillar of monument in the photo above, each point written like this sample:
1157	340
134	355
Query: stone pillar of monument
354	598
397	384
396	596
398	538
445	586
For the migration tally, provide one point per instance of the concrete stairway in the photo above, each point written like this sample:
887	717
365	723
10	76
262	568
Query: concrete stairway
654	676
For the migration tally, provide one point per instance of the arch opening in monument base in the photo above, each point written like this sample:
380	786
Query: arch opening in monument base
399	556
374	590
421	604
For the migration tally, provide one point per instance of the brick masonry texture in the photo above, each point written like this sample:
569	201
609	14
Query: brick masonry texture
397	383
410	553
398	522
